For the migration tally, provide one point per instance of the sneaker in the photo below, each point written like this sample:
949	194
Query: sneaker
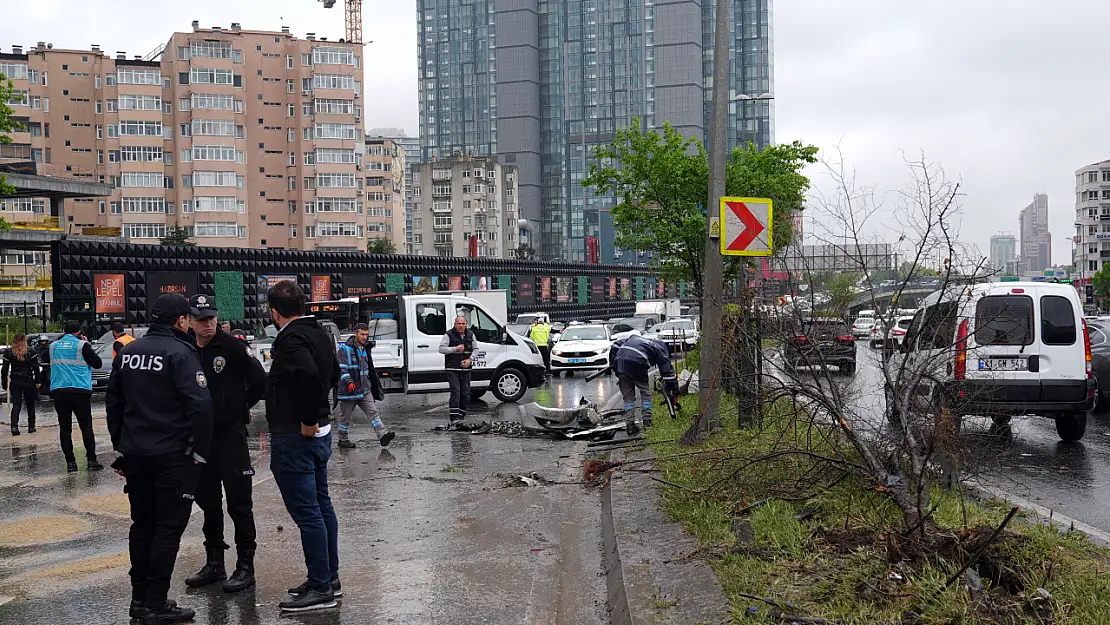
311	599
170	613
347	443
336	588
385	440
71	466
95	466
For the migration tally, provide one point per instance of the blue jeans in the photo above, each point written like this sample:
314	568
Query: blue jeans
300	467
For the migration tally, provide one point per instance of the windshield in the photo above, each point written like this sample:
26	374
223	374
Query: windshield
526	319
640	323
824	330
865	321
679	325
905	322
587	333
519	328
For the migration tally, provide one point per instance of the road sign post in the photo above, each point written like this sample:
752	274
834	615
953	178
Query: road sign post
747	226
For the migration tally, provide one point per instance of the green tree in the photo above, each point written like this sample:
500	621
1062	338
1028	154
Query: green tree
841	290
176	236
660	180
1101	284
525	252
380	245
7	125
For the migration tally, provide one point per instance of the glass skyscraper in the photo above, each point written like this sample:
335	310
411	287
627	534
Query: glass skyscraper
541	83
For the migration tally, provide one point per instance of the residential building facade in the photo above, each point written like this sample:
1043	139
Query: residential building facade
1091	244
411	147
1004	256
1036	240
466	206
539	84
242	138
386	211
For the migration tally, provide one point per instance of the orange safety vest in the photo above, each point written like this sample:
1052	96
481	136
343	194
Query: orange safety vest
124	340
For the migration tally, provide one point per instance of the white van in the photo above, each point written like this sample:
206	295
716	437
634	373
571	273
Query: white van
1000	350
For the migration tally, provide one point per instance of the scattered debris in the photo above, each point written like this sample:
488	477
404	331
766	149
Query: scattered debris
527	479
595	468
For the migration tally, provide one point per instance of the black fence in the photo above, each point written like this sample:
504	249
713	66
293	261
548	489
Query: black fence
98	283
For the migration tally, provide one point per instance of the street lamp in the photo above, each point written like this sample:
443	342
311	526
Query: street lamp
42	294
762	97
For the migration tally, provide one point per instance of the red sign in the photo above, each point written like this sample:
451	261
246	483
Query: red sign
659	289
454	283
110	297
752	227
545	289
612	287
321	288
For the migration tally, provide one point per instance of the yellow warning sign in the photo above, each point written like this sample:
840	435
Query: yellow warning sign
715	228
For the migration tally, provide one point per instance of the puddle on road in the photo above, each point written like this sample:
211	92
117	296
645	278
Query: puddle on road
87	566
113	505
29	531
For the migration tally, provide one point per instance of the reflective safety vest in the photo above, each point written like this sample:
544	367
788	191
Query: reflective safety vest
68	368
354	371
541	334
123	340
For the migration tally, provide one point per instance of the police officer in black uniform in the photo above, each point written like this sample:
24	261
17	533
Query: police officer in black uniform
236	381
160	420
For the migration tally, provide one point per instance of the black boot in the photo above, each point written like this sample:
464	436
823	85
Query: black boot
213	571
243	577
15	430
169	613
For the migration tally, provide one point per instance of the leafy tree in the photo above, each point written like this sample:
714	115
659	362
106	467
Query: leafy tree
1101	284
841	291
525	252
661	179
7	125
176	236
380	245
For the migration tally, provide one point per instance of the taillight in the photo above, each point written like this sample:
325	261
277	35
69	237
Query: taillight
800	339
847	338
1087	350
898	332
959	371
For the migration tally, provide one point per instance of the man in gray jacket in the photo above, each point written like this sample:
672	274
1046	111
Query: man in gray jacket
457	346
359	387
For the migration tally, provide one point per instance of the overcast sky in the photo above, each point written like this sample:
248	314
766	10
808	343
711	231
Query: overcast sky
1006	96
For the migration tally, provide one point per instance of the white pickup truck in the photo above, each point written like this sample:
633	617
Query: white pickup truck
407	330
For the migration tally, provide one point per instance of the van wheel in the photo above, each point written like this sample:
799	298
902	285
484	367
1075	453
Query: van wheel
509	385
1071	426
477	394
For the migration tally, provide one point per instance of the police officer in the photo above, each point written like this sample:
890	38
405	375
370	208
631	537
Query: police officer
72	360
631	358
236	381
160	420
540	333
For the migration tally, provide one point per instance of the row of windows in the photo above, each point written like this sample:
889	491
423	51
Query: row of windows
135	76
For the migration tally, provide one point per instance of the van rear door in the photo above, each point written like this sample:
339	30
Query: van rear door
1063	367
1003	362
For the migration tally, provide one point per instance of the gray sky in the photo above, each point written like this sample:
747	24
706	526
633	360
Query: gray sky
1006	96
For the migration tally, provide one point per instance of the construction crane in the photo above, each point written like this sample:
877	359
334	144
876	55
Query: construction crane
353	11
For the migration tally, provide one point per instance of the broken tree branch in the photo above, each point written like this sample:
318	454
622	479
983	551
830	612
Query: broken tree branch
978	552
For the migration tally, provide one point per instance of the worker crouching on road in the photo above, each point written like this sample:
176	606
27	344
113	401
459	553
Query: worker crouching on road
540	333
160	421
359	387
236	382
631	358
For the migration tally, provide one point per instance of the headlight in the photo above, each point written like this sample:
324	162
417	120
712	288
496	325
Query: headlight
557	352
601	351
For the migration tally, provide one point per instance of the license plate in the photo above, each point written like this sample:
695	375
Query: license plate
576	361
1004	364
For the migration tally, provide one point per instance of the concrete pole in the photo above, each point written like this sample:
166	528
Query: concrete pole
712	282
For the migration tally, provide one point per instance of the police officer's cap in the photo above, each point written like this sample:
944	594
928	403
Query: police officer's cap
202	306
169	307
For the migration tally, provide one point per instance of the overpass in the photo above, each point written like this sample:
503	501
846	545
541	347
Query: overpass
881	299
28	184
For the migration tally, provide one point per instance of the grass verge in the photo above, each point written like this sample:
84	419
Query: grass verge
797	531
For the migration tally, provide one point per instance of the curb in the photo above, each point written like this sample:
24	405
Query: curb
617	594
1097	536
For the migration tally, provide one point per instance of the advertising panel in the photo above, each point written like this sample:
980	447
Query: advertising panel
162	282
110	296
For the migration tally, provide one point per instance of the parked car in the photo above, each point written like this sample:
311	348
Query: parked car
898	330
821	342
1001	350
861	327
623	327
582	347
678	334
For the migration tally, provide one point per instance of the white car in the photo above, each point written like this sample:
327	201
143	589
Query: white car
898	330
861	327
622	330
676	333
582	347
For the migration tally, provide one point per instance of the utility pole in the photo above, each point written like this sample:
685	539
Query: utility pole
709	367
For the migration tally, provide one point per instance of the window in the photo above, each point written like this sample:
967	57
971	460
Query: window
1057	321
140	154
1004	320
219	204
333	155
1092	195
99	131
309	158
209	76
335	131
333	55
215	127
341	181
306	134
135	76
217	229
216	153
144	204
306	60
431	319
14	71
99	107
335	205
149	180
210	49
215	179
144	231
336	229
23	205
212	101
484	327
139	103
292	180
19	98
292	135
334	107
143	129
333	81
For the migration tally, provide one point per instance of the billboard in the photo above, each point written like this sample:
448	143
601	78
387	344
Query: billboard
321	288
425	284
162	282
454	283
545	289
563	290
358	284
597	289
110	297
265	281
525	291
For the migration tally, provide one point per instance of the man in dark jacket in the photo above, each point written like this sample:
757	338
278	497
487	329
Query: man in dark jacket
359	387
236	381
631	358
457	346
303	372
160	421
72	360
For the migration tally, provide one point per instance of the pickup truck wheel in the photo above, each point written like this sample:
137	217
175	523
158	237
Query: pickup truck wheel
509	385
1071	426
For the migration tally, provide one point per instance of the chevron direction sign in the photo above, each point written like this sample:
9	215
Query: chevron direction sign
747	224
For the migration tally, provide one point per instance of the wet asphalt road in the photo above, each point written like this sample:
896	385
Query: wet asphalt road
429	531
1029	461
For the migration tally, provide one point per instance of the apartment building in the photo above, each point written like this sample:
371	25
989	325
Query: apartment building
386	211
1091	244
243	138
411	147
1036	240
466	206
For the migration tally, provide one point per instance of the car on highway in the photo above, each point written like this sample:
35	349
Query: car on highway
897	332
678	334
861	327
999	350
1099	333
822	342
624	327
582	347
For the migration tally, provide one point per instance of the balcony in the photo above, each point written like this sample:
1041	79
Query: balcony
442	227
1104	254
